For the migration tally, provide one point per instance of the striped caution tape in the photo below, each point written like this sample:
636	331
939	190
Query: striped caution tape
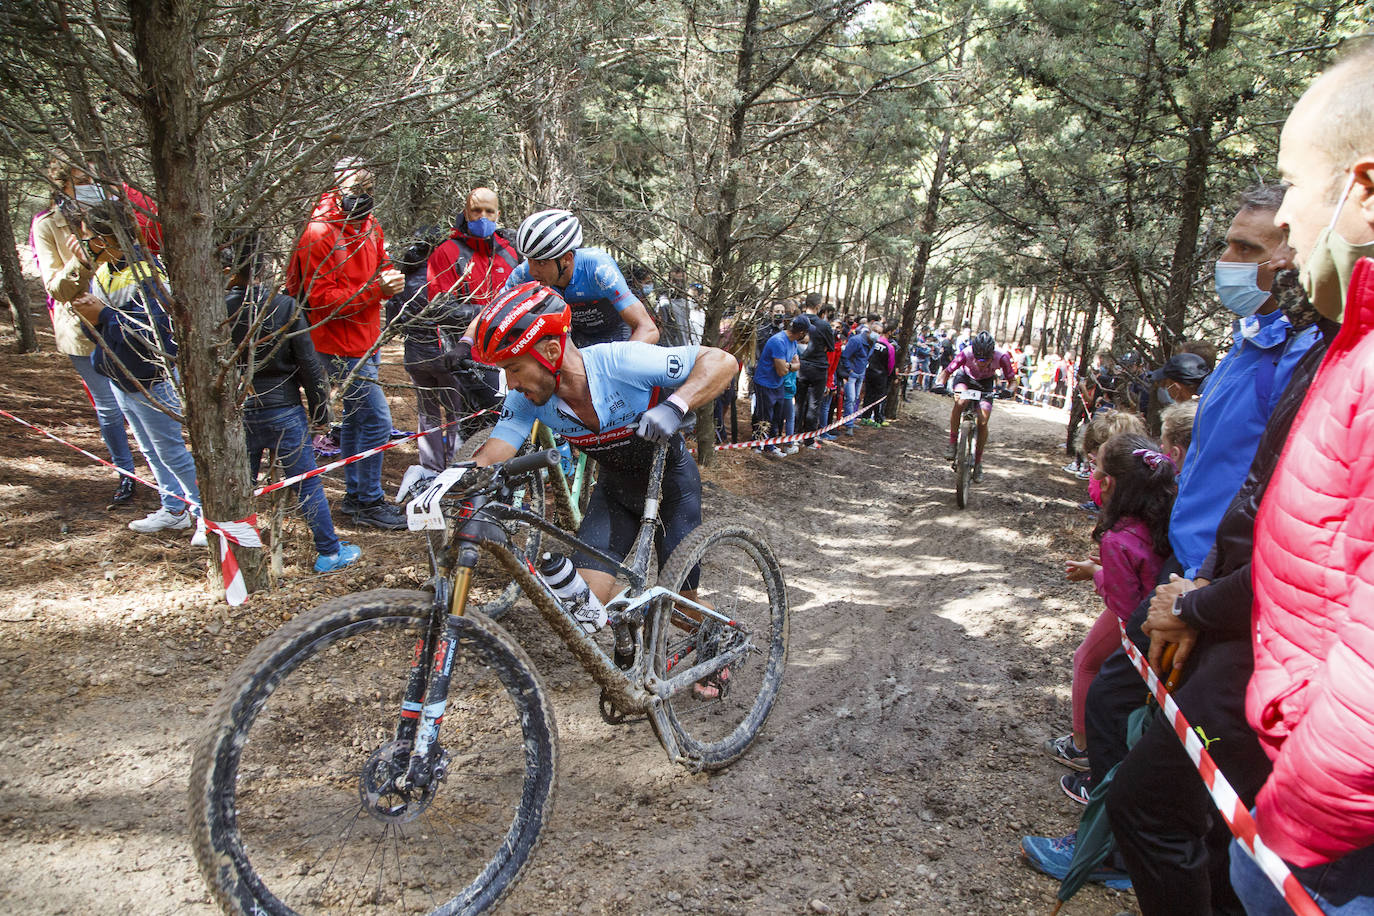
243	532
775	440
343	462
1236	815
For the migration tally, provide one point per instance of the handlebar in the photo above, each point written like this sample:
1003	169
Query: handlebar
535	461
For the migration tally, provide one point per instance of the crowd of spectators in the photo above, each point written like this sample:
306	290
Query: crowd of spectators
1238	555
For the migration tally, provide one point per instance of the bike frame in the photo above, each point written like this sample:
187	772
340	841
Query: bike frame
569	494
632	691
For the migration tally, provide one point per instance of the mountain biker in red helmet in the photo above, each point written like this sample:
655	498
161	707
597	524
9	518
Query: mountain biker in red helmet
614	401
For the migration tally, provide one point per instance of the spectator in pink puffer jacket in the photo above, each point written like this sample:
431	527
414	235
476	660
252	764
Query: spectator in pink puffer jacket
1311	699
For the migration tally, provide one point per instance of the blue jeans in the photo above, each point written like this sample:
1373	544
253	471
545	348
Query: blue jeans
107	412
285	431
159	439
366	424
1344	887
852	386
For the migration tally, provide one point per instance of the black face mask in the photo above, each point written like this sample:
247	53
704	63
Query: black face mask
355	206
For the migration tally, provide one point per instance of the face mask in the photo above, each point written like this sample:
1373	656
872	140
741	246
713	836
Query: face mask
1237	287
88	194
1095	490
355	206
1326	275
648	289
481	228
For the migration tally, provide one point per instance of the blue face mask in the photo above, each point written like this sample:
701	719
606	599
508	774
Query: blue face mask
481	228
1237	287
648	289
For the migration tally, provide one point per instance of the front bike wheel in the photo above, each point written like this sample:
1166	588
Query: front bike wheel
963	468
716	721
532	498
293	803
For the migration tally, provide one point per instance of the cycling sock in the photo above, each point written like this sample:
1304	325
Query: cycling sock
953	438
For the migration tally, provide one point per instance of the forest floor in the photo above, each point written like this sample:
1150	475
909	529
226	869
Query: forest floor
930	655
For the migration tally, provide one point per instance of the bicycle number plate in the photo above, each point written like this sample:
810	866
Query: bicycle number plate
425	512
970	394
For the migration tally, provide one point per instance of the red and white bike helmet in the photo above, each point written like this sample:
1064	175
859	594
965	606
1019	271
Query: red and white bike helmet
517	320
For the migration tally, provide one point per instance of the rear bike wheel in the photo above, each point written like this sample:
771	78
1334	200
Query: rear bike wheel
963	461
532	498
292	804
740	579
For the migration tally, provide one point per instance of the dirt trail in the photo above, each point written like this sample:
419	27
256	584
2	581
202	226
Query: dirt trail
930	656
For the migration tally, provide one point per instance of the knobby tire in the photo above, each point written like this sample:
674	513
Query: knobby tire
293	723
741	579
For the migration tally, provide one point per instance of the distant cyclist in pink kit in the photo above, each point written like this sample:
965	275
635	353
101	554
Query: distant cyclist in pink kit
976	366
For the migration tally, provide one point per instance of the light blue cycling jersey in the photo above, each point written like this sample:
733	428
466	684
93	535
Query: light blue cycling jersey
626	378
597	294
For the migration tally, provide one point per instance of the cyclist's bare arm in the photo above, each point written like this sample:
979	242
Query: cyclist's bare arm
642	327
494	451
710	376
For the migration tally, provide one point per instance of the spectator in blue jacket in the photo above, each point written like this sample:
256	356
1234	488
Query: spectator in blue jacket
854	359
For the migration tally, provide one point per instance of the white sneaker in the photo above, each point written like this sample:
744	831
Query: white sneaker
161	520
198	539
791	449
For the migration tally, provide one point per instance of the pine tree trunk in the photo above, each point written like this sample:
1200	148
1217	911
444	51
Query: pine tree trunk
165	47
13	277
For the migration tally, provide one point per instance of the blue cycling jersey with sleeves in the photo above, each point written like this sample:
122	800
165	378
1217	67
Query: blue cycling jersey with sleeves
597	293
625	379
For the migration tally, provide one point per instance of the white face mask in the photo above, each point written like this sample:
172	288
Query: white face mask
88	194
1237	285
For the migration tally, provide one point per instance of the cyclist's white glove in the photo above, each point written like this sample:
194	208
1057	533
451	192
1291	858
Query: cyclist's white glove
661	423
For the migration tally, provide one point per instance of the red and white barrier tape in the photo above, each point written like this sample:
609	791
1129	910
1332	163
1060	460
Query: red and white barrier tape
335	465
243	532
799	436
1232	809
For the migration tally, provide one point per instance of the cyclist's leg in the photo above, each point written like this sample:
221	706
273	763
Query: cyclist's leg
984	412
957	383
680	511
610	525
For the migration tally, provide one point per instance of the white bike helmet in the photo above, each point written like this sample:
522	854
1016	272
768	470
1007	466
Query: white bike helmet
548	234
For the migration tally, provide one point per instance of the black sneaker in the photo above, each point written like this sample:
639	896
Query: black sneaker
1063	750
1076	786
977	471
380	514
350	506
124	493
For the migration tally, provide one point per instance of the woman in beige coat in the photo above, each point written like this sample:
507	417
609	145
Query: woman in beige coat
66	272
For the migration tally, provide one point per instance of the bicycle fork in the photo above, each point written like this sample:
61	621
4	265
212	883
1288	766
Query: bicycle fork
426	697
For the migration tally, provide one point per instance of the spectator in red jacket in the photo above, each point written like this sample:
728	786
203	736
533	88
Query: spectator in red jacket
472	267
341	272
1311	699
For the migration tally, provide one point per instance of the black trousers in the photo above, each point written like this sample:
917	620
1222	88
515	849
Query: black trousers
1118	690
810	399
1171	838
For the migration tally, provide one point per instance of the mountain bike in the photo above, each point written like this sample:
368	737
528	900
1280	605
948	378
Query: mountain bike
964	448
395	751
